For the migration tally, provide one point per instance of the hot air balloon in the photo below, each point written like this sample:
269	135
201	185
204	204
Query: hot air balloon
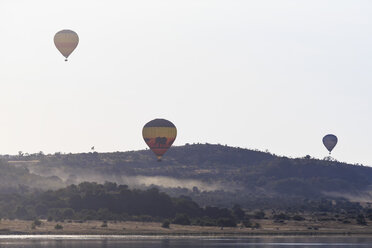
159	135
330	142
66	41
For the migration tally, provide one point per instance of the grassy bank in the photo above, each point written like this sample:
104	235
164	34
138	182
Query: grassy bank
267	227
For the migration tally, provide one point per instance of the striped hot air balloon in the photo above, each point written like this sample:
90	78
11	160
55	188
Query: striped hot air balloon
66	41
330	142
159	135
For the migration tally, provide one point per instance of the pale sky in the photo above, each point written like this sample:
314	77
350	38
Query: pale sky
276	75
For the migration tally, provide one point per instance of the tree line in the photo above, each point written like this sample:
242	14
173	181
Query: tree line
109	201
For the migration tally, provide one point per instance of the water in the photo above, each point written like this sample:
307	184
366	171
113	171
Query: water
80	241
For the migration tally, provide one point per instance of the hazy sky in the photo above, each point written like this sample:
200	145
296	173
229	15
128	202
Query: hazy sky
261	74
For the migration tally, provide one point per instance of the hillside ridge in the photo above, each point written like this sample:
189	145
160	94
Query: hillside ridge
208	173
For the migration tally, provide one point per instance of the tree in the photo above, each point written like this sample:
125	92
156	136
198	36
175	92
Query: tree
259	214
238	212
247	222
41	209
181	219
361	220
281	216
298	218
165	224
68	213
21	212
226	222
58	227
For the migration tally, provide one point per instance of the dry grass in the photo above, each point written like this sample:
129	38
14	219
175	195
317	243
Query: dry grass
268	227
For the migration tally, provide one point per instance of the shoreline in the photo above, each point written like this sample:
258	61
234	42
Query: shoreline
90	237
127	229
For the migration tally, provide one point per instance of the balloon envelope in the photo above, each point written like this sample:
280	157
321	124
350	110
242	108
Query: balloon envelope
330	142
66	41
159	135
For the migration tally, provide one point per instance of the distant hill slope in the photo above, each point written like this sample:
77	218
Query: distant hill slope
19	179
233	174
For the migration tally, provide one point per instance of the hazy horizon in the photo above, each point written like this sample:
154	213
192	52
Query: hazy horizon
275	75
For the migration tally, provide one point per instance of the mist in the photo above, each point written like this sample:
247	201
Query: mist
78	176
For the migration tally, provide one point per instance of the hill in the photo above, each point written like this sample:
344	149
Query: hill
210	174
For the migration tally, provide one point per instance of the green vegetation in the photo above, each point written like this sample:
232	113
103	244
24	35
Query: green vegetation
58	227
165	224
181	219
37	222
92	201
109	201
235	169
222	176
361	220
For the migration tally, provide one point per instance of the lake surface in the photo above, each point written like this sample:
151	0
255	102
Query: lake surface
79	241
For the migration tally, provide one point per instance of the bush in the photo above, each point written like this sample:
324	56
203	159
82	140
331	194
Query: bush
181	219
58	227
21	212
144	218
226	222
256	225
37	222
361	220
259	215
204	222
238	212
105	214
298	218
165	224
247	223
281	216
68	213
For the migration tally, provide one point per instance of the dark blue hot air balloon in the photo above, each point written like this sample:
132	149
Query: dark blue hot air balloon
330	142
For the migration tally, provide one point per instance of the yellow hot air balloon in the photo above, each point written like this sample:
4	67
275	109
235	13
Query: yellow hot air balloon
159	135
66	41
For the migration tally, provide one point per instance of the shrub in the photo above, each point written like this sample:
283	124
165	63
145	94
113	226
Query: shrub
58	227
68	213
298	218
238	212
361	220
145	218
226	222
281	216
259	215
165	224
181	219
204	222
104	224
247	223
256	225
37	222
